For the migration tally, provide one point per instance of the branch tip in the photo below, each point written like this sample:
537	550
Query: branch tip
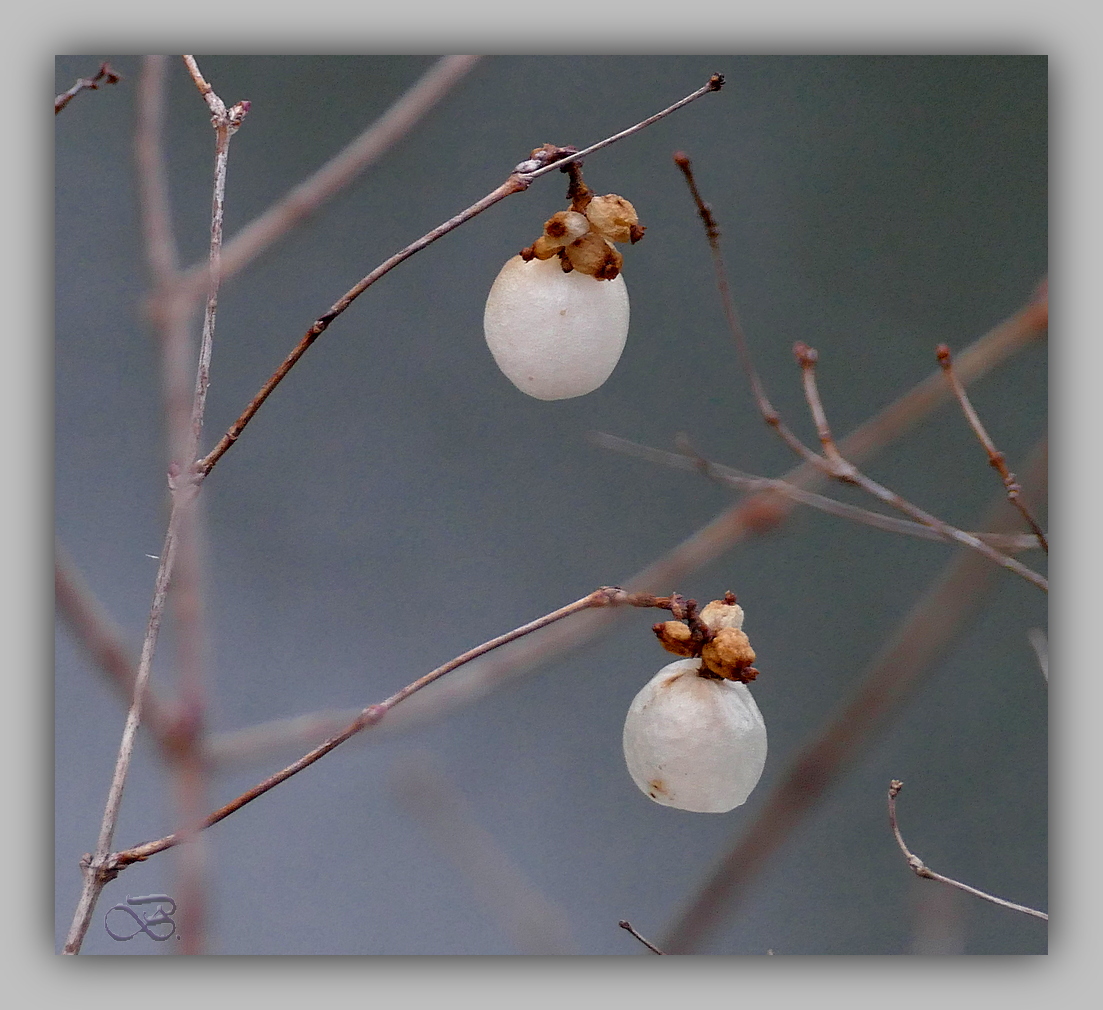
804	354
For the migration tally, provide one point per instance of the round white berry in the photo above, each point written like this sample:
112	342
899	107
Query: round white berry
694	743
555	335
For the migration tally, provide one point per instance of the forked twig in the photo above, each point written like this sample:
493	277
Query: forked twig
753	514
689	459
841	469
932	624
305	198
831	463
606	596
105	75
996	458
922	870
731	316
180	538
523	175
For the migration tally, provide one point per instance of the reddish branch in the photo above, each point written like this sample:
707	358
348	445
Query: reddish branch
911	654
606	596
105	76
996	458
831	463
543	160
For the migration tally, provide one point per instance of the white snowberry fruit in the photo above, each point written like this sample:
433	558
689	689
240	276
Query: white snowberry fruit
555	335
694	743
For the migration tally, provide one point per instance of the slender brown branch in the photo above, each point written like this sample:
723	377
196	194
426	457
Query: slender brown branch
625	924
689	460
922	870
831	463
514	184
182	537
105	75
523	175
161	254
751	516
913	652
189	778
606	596
996	458
731	316
226	123
839	468
714	83
95	866
308	196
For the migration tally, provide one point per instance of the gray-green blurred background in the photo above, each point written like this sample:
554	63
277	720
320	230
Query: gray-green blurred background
398	501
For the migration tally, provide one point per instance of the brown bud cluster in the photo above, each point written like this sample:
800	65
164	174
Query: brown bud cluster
716	636
583	238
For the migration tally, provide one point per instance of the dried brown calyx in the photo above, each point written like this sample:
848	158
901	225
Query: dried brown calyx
715	635
583	236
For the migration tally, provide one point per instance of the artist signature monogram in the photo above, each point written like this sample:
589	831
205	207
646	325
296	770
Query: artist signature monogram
160	916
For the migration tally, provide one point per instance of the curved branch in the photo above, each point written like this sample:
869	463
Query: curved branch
922	870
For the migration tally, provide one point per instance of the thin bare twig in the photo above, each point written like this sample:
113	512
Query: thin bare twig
523	175
309	195
912	652
226	123
181	538
922	870
105	75
831	462
690	460
996	458
95	865
753	515
625	924
190	767
606	596
715	83
841	469
731	316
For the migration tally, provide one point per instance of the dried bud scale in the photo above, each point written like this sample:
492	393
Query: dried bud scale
554	341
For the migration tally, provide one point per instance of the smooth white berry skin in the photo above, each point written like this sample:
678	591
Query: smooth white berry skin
555	335
694	743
